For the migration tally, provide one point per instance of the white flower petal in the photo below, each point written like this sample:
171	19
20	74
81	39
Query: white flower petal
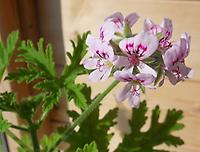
167	27
96	75
144	68
148	24
145	79
171	56
107	31
131	19
145	44
90	63
127	45
124	76
106	74
134	99
122	61
124	93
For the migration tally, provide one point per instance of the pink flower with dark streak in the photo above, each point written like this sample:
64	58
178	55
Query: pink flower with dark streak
101	61
138	48
163	31
174	59
132	88
119	20
107	31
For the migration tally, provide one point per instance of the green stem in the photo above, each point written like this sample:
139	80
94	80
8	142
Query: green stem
17	140
14	137
43	116
19	128
33	132
83	116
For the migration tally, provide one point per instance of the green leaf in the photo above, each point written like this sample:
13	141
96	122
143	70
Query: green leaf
92	147
8	102
79	50
93	129
7	51
4	125
75	67
73	70
51	100
28	74
157	134
75	92
40	71
26	139
40	65
48	141
73	114
27	107
40	57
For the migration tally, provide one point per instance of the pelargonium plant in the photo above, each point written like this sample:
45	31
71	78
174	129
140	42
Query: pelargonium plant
138	60
141	60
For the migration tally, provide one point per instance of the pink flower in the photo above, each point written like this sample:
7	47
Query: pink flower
174	59
101	60
132	88
119	20
138	48
107	31
163	31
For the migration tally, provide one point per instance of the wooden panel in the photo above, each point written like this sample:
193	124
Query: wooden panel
18	15
9	21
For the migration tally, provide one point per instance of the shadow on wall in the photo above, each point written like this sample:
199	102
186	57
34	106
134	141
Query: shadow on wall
122	120
50	27
50	24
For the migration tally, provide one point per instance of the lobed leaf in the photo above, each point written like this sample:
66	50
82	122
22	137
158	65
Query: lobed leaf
93	129
4	125
157	134
7	51
92	147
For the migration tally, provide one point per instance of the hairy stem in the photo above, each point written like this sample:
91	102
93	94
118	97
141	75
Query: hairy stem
83	116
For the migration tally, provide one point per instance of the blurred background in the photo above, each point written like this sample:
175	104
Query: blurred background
58	21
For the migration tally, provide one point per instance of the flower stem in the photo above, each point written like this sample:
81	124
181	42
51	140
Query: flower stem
83	116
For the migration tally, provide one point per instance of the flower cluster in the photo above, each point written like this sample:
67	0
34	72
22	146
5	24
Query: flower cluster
140	60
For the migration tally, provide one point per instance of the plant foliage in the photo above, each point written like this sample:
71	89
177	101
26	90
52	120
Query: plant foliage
4	125
40	71
93	128
48	141
74	69
157	134
6	51
92	147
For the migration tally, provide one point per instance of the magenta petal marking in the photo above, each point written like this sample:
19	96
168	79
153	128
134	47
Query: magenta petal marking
141	49
102	54
100	65
101	34
130	47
